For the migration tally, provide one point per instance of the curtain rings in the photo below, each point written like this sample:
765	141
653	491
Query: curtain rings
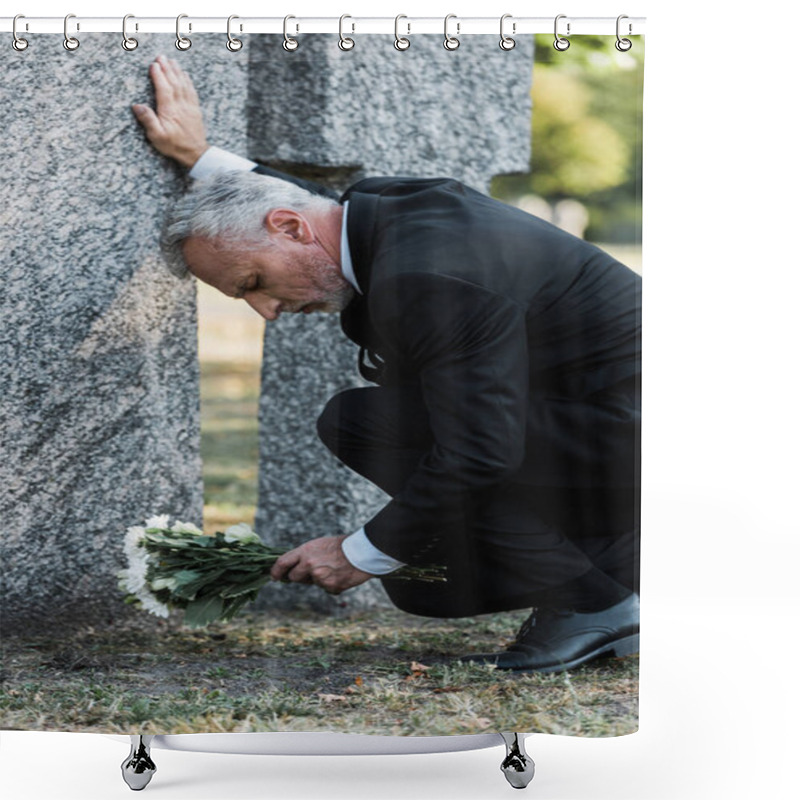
70	42
289	44
400	42
128	42
181	42
560	43
507	42
451	42
345	42
623	45
233	44
18	43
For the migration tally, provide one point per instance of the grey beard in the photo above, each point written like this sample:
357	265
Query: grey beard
341	299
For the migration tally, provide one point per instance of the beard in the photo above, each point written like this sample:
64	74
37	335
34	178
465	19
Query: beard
334	291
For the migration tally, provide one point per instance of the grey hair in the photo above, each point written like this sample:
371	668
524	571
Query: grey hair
231	205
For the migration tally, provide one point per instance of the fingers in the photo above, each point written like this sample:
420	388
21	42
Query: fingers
294	566
165	91
148	119
171	80
285	564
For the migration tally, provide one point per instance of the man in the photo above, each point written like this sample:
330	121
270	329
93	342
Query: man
504	423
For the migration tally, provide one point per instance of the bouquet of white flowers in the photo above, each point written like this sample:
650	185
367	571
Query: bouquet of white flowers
211	577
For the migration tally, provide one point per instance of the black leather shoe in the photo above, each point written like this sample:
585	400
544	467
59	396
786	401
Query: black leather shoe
553	641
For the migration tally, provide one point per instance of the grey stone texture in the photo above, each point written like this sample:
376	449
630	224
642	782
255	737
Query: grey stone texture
337	117
99	407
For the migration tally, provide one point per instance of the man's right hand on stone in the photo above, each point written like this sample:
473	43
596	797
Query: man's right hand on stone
175	128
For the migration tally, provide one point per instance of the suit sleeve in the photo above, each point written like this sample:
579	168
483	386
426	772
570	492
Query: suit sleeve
468	347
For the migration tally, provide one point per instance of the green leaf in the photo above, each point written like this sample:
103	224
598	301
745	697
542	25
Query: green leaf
190	590
201	612
242	588
185	576
232	607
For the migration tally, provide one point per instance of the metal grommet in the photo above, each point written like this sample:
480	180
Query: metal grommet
128	42
18	43
400	42
623	45
560	43
289	43
451	42
233	44
181	42
345	42
506	42
70	42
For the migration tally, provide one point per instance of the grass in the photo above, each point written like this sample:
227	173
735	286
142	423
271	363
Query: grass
383	673
229	442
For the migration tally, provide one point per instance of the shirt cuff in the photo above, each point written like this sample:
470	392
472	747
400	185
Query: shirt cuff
215	159
363	555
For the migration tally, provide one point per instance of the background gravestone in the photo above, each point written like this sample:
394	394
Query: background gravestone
337	117
99	408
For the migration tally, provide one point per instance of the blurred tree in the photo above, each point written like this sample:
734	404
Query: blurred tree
586	132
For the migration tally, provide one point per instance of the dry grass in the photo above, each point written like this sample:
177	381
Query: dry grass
383	673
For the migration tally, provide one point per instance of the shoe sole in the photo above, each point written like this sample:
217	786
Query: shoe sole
626	646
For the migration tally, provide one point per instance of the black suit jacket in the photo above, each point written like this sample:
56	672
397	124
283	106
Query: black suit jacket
524	340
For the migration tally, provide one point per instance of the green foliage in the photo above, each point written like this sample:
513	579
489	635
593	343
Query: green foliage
575	152
586	132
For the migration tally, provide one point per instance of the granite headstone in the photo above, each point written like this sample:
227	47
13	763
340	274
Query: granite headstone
99	408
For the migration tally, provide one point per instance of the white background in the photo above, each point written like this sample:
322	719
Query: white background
719	700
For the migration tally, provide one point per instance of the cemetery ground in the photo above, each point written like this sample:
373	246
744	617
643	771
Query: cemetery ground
379	671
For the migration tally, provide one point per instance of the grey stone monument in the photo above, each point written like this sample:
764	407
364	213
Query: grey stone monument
99	409
338	117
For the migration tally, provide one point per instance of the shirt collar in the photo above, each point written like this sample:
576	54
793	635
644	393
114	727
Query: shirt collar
347	261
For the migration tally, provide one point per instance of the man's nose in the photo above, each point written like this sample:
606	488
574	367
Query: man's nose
267	307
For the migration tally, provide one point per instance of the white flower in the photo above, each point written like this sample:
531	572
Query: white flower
149	603
135	576
186	527
164	583
161	522
133	579
133	536
241	533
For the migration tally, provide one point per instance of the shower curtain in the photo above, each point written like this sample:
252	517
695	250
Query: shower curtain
450	459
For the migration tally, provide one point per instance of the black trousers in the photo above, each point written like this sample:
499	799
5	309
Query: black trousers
524	545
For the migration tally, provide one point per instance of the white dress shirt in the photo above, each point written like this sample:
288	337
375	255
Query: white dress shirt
357	548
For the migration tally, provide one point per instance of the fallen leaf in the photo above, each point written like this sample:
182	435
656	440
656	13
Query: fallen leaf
417	667
331	698
359	681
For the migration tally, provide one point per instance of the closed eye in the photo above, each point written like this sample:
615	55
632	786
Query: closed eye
251	286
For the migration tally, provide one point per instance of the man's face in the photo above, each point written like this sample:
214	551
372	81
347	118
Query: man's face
287	277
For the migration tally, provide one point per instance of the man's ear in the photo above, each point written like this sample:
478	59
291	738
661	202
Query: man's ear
287	222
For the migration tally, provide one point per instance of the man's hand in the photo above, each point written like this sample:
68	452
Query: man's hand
176	127
322	562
